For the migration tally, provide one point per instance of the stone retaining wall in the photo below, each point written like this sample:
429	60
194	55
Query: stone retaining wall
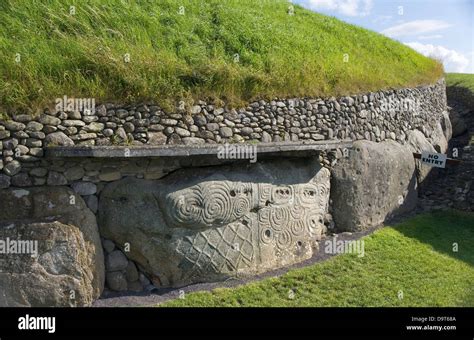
374	116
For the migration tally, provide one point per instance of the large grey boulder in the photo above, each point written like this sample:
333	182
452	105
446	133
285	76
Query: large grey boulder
219	222
376	181
417	143
446	125
438	138
69	268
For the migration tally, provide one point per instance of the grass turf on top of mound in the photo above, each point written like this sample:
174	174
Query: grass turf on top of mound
165	51
460	80
410	264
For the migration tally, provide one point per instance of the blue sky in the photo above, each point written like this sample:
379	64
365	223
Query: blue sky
440	28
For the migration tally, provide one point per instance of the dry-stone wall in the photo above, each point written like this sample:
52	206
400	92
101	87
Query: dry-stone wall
374	116
162	225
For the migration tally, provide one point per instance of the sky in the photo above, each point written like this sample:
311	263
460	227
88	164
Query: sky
443	29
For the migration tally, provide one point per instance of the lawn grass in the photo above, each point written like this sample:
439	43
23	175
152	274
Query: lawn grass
409	264
46	52
460	80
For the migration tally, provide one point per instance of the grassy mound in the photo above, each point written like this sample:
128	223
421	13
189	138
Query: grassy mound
412	264
465	80
236	50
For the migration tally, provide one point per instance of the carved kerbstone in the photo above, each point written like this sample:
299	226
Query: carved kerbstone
219	222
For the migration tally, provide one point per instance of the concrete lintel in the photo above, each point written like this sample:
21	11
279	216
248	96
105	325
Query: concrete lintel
187	150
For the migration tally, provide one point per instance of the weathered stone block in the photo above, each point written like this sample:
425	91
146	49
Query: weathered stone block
375	182
69	253
220	222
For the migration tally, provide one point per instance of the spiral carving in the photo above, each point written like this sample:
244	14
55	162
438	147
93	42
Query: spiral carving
217	206
264	194
264	216
242	206
297	212
298	227
323	195
187	209
279	218
284	240
313	221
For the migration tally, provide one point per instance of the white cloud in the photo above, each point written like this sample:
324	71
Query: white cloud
415	27
428	37
453	61
346	7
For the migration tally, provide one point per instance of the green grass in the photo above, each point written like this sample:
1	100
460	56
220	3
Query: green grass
184	57
461	80
415	257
